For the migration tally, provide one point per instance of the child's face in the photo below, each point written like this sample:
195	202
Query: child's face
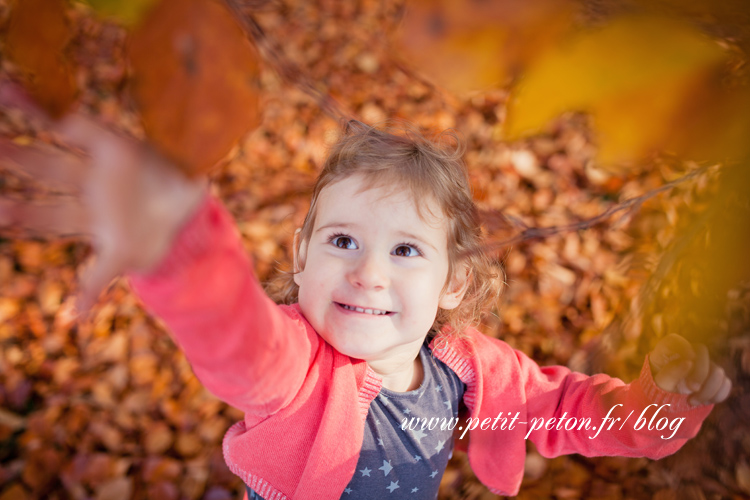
370	250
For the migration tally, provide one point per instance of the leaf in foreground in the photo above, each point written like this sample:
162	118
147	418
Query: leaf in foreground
195	80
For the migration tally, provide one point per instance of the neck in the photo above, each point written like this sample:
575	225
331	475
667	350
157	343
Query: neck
403	377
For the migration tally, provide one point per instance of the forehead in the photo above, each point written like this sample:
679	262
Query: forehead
397	203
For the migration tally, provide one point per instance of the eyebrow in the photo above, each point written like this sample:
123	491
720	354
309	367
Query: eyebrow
342	225
403	234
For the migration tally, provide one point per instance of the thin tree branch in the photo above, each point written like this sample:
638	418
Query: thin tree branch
632	205
288	71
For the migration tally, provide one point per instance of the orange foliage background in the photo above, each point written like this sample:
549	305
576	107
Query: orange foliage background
110	409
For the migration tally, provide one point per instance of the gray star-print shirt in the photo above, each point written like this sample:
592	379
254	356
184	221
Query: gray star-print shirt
408	438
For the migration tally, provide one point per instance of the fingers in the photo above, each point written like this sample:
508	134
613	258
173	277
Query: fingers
726	388
76	129
715	388
669	349
62	218
672	376
701	367
95	276
46	164
683	368
85	133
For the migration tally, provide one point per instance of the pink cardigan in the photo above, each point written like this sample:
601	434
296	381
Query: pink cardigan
306	403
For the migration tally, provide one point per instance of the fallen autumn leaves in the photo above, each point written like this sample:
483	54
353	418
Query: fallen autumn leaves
111	410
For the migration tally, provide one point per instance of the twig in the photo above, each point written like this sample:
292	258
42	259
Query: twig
632	205
288	71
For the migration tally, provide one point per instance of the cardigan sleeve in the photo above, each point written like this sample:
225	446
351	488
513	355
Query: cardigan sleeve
569	412
245	349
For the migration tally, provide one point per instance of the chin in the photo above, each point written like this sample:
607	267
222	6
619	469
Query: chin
353	351
357	351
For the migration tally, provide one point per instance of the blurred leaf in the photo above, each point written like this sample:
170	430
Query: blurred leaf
15	492
470	44
705	261
127	12
728	19
716	125
194	78
636	76
37	35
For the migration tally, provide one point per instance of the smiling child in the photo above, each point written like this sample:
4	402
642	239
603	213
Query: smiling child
377	329
375	326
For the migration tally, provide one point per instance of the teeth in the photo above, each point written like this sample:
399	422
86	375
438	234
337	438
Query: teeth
376	312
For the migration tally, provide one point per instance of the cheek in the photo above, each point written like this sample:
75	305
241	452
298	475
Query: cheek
423	296
314	283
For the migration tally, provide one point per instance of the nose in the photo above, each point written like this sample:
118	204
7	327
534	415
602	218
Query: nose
370	271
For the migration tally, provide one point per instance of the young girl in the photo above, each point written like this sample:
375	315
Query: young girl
340	386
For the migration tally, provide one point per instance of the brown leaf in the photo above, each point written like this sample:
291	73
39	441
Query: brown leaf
194	78
188	444
535	466
37	35
109	435
195	479
120	488
742	475
15	492
159	469
159	438
11	420
163	490
41	468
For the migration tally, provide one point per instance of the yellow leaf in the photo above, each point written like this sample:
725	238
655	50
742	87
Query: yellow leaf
635	76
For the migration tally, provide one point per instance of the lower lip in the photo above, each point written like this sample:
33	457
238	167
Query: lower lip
360	314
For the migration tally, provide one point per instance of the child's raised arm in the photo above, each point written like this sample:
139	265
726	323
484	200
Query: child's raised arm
178	245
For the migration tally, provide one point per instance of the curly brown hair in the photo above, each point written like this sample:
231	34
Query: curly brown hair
434	169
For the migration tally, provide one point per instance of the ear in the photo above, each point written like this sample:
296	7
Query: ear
299	255
456	289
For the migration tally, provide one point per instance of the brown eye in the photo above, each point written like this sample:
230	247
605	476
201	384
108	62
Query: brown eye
406	251
344	242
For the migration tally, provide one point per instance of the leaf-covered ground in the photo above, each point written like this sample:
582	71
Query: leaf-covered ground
111	410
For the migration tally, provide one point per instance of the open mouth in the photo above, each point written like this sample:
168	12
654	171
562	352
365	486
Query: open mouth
374	312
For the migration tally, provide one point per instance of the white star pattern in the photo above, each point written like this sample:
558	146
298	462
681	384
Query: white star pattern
401	410
440	446
419	434
386	468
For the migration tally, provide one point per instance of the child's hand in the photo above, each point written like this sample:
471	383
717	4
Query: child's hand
678	366
128	200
